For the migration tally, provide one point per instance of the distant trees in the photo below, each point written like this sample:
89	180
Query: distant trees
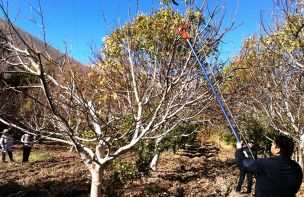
144	85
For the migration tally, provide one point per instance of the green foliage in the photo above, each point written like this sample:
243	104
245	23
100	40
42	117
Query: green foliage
143	33
144	155
228	137
150	38
256	130
19	79
184	134
120	173
134	167
42	155
125	171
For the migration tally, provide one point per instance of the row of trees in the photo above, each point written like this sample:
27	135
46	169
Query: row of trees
266	79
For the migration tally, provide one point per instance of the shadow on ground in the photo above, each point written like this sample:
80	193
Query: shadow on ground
45	189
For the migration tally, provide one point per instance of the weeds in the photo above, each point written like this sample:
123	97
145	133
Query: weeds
42	155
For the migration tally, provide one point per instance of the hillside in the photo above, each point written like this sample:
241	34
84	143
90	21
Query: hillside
22	38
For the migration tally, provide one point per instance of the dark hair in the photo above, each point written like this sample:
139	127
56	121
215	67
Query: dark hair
285	144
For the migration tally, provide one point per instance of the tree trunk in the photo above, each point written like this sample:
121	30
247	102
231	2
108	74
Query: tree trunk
301	157
154	161
301	151
96	169
97	176
298	156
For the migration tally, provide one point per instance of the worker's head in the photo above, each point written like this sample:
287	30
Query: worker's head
250	144
283	146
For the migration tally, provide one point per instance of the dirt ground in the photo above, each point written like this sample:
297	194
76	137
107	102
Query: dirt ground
208	170
57	172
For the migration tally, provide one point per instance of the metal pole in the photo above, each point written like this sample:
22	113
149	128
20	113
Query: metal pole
214	91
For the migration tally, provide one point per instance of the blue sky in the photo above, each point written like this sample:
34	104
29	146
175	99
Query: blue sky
83	23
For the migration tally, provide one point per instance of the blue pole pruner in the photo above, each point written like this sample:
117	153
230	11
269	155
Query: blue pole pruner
187	38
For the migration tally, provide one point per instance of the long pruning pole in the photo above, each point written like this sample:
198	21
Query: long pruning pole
187	38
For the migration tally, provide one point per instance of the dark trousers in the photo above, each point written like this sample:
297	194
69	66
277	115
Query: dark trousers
241	180
26	153
10	155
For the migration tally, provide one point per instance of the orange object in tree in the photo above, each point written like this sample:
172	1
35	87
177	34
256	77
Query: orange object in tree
184	32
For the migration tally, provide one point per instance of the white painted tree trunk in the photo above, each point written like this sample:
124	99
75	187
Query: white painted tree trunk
154	162
97	176
96	169
301	151
301	158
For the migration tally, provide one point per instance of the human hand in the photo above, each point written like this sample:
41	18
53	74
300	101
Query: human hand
239	145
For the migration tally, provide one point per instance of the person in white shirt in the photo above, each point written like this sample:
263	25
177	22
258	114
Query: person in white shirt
27	141
6	143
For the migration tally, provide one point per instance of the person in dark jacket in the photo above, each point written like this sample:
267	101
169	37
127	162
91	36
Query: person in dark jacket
27	141
249	152
277	176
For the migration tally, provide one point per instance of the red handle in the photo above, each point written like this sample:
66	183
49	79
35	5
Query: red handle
183	31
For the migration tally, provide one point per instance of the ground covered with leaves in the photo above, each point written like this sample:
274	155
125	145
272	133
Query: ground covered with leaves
205	170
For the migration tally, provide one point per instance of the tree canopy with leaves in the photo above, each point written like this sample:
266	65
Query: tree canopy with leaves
268	75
